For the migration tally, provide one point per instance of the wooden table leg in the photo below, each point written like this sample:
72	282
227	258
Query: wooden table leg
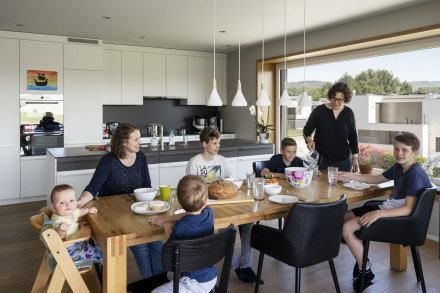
398	257
115	265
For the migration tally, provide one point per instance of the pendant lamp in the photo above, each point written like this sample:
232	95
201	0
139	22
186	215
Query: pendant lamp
285	98
214	98
263	98
239	99
305	101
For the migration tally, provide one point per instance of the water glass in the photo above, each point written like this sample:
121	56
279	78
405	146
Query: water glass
315	172
258	188
332	176
173	201
250	177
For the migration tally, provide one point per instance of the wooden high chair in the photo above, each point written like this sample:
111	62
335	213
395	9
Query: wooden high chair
66	269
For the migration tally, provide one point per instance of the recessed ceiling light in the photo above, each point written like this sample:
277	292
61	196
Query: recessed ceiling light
222	32
19	24
106	17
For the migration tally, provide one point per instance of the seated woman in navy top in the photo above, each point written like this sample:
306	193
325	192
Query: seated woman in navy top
120	172
286	158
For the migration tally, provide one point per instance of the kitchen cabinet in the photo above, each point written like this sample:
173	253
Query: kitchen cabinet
132	78
155	78
154	175
233	166
177	76
244	164
33	176
220	77
196	81
9	172
82	56
112	77
40	55
78	179
171	173
83	107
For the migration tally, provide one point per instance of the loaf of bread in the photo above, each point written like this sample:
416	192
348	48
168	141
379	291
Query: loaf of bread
222	189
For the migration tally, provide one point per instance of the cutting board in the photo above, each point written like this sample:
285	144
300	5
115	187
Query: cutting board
240	198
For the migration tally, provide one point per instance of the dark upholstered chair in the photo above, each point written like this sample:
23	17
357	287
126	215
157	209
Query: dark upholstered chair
258	166
192	255
311	234
407	231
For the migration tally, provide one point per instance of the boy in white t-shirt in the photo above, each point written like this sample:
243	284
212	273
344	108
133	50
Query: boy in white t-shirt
211	167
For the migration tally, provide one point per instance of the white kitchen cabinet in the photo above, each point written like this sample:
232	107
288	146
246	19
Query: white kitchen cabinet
82	107
220	73
9	172
132	78
244	164
177	76
44	56
78	179
233	166
171	173
196	81
155	78
112	71
154	170
82	56
33	176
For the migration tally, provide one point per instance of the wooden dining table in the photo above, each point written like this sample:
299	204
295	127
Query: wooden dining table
116	227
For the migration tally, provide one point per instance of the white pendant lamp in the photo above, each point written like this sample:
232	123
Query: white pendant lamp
305	101
239	99
214	98
263	98
285	98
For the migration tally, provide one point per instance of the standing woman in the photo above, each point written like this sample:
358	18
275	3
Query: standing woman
119	172
335	131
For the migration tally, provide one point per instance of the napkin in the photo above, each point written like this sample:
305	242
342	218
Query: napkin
386	184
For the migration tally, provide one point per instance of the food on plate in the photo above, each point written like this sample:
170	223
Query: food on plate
268	176
271	180
156	205
142	207
222	189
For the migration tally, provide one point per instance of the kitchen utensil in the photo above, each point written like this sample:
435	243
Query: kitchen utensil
311	159
145	194
298	177
182	131
152	129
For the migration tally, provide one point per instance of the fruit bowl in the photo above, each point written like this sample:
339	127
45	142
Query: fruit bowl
298	177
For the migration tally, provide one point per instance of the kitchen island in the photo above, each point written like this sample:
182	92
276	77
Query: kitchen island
75	166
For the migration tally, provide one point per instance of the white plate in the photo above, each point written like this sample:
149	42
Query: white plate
166	207
283	199
181	211
357	185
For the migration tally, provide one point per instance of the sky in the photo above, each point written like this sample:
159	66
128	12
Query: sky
409	66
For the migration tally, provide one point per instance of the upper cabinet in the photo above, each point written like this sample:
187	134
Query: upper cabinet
155	77
196	81
41	67
177	76
112	77
132	78
82	56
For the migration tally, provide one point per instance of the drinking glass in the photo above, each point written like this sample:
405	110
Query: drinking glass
315	172
250	180
164	192
332	176
173	201
258	188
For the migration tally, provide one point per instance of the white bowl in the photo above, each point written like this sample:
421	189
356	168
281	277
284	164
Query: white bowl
273	189
236	181
145	194
298	177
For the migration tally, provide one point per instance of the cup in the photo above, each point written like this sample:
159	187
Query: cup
173	201
250	180
164	192
315	172
258	188
332	176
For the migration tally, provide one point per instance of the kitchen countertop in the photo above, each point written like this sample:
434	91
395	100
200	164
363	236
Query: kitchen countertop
191	146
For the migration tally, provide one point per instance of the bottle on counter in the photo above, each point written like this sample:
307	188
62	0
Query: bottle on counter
154	141
185	139
172	140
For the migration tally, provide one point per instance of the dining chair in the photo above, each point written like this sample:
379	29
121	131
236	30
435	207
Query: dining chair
407	231
311	235
258	166
66	268
187	255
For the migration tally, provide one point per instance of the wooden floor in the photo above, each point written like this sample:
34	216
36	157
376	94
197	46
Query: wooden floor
21	252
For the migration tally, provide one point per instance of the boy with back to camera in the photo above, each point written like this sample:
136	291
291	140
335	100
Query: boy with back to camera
198	221
409	180
286	158
64	221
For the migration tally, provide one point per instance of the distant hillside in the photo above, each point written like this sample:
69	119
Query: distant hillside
309	83
424	84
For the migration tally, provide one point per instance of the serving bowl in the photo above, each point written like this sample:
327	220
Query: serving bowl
145	194
236	181
298	177
272	189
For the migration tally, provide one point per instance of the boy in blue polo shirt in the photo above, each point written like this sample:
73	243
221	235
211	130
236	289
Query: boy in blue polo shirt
409	180
286	158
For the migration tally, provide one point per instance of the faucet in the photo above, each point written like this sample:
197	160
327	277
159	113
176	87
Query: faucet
161	134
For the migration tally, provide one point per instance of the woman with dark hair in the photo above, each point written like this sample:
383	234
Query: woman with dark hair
120	172
335	131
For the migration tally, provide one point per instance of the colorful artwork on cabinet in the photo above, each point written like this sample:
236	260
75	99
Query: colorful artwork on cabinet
41	80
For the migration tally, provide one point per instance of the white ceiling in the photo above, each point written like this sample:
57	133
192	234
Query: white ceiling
183	24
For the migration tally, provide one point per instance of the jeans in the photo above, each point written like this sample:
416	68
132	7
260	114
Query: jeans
343	165
245	259
148	258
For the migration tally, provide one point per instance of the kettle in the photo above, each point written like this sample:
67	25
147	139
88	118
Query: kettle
182	131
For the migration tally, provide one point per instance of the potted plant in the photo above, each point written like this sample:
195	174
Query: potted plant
263	129
432	168
369	157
